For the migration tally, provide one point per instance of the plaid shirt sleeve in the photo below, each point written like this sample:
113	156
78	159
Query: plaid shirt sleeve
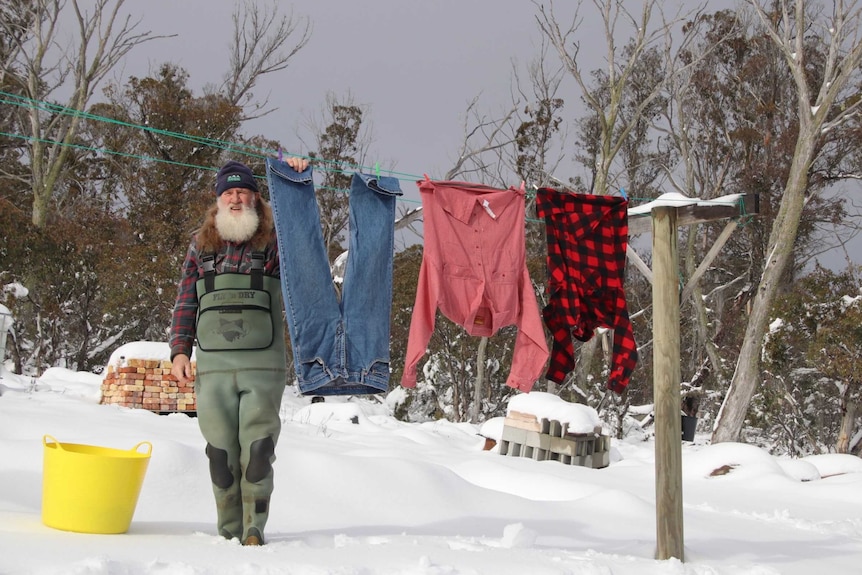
186	307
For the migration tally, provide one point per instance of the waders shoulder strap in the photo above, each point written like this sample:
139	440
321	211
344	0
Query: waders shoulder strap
257	270
208	264
257	263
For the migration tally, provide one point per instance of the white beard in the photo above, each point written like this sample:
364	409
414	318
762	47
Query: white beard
234	227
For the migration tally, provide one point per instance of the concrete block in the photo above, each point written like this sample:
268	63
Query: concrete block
563	446
556	429
535	439
553	442
514	434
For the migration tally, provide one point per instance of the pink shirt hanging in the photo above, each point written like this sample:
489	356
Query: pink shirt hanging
474	271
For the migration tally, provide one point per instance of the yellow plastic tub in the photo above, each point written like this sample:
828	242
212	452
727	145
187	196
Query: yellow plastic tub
91	489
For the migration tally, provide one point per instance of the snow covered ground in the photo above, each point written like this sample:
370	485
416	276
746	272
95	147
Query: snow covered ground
385	497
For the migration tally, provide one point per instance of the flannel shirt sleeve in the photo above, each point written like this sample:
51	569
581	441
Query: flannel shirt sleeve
272	266
186	307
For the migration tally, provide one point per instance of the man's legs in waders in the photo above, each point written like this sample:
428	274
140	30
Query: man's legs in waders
238	414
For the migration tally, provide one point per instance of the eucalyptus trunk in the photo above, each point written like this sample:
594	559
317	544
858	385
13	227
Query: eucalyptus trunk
746	378
479	384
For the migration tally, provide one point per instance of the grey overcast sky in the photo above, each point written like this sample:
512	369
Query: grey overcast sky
415	64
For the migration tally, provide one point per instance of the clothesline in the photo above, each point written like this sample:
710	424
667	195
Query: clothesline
263	153
235	147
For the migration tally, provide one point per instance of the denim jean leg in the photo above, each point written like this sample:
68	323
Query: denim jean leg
367	291
310	302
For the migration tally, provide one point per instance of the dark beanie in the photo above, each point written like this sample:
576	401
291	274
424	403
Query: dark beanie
235	175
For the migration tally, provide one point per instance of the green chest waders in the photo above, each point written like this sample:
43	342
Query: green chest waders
241	374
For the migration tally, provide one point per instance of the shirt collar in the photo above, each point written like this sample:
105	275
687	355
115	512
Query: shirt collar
460	199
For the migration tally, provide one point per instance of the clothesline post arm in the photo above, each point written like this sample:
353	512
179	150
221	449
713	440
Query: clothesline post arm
708	259
638	262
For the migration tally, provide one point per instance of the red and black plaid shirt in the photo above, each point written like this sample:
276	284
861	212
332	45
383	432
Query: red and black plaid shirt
231	258
587	239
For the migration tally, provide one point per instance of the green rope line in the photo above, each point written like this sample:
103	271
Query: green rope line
246	149
235	147
63	110
103	150
745	220
346	191
159	160
744	217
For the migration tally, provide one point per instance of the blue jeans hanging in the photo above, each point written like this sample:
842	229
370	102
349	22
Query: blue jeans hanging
339	348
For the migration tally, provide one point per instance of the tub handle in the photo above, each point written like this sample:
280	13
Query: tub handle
50	441
56	443
148	445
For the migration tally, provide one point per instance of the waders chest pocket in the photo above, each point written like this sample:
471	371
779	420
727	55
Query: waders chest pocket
234	319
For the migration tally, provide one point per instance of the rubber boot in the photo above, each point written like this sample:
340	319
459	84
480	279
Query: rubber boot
255	515
254	538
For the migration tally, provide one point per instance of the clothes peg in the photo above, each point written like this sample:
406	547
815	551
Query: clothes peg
280	155
623	193
427	179
377	169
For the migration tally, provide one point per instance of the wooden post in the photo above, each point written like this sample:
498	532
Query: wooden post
666	381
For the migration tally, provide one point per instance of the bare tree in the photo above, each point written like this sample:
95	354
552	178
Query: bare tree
263	42
539	146
539	132
482	137
704	153
614	127
619	105
15	23
44	67
479	154
826	99
342	135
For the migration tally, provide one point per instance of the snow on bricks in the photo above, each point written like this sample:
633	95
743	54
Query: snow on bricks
525	435
147	384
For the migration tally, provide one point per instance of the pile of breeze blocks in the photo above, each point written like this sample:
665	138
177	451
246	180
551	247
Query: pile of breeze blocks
524	435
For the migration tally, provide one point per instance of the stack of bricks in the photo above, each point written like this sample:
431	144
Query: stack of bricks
147	384
549	440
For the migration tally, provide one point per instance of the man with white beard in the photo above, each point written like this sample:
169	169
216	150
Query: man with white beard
229	308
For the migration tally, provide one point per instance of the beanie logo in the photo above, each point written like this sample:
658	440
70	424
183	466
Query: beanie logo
234	178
